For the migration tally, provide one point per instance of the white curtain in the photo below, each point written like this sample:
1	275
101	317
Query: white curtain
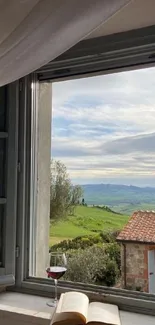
34	32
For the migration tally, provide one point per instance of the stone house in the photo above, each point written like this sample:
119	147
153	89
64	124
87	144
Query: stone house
137	241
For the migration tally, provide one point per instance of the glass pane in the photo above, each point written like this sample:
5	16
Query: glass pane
2	108
1	235
2	155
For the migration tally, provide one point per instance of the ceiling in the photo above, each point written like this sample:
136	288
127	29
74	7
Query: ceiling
137	14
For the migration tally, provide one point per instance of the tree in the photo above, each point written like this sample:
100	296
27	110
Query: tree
83	201
77	193
64	196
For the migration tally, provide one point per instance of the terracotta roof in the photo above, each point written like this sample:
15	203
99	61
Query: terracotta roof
140	228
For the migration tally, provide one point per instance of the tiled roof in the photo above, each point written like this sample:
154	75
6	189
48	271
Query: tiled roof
140	228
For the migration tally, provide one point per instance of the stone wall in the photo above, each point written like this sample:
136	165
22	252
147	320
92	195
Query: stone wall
136	268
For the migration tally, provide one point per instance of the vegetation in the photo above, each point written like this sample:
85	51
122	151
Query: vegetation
85	228
93	254
129	208
92	265
92	259
83	242
85	221
105	208
64	196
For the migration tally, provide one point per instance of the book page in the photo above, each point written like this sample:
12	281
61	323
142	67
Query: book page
73	302
67	318
103	313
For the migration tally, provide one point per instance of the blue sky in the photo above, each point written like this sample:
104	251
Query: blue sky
103	128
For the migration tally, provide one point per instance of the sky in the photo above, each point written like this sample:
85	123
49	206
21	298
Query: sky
103	128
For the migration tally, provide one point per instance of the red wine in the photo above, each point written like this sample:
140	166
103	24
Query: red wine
55	272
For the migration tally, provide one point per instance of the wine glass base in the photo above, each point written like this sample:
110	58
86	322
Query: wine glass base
52	303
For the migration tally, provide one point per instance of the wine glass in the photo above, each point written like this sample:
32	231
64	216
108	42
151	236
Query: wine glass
57	268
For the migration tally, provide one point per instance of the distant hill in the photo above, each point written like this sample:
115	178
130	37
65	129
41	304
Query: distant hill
120	198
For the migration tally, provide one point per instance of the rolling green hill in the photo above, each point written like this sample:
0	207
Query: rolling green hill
128	209
120	198
86	220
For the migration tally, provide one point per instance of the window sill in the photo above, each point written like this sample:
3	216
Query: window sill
127	300
18	308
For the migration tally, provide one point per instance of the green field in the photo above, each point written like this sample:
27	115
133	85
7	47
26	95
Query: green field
128	209
86	220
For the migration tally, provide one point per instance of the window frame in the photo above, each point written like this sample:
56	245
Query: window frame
130	50
10	181
102	55
24	182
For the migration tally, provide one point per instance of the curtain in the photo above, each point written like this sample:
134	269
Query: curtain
34	32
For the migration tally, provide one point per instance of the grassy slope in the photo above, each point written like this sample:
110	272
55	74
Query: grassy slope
128	209
84	222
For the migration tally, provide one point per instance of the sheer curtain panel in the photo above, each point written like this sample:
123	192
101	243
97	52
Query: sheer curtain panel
34	32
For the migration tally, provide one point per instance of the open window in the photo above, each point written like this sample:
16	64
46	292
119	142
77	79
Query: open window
83	63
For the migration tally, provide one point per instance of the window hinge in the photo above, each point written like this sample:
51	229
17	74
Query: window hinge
17	251
18	166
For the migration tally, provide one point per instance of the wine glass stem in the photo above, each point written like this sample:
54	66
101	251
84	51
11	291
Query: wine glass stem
56	292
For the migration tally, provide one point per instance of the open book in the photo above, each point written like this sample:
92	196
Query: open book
74	309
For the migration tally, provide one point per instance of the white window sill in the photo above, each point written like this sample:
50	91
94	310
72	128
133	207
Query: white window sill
17	309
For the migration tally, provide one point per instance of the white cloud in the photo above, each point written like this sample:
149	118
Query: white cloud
105	126
138	118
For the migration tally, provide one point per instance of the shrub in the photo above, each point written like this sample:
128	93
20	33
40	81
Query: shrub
114	253
92	265
92	259
107	275
109	236
80	242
